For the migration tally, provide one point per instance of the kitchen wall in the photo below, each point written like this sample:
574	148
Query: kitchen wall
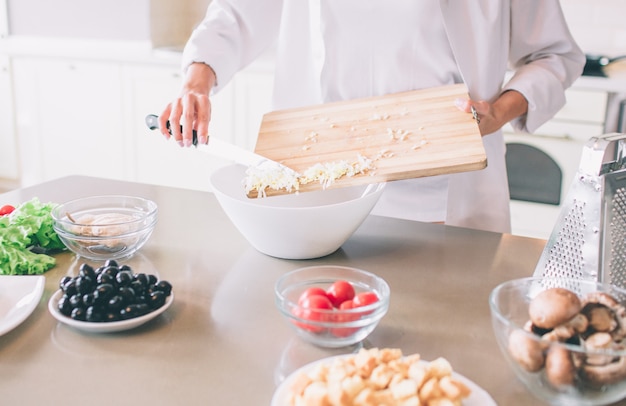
98	19
599	26
166	23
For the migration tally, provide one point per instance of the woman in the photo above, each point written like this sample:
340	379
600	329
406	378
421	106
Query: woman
329	50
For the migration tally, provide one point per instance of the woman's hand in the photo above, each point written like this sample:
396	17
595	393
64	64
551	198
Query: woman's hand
192	109
492	116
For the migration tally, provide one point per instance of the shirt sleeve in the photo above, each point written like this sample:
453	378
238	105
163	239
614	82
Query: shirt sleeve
544	57
232	35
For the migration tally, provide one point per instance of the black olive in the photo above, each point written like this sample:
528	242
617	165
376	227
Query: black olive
143	279
126	268
76	300
105	278
103	293
64	305
138	287
92	314
64	281
152	279
165	287
115	303
78	313
156	299
111	270
124	278
111	316
127	293
134	310
84	284
70	287
151	289
87	270
142	308
89	299
111	262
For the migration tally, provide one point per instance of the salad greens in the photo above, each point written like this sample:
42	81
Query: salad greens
28	226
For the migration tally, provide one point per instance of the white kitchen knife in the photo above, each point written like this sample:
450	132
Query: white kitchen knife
218	147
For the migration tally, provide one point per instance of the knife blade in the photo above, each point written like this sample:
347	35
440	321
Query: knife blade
217	147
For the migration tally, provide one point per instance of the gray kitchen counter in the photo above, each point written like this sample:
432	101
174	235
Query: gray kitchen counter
222	342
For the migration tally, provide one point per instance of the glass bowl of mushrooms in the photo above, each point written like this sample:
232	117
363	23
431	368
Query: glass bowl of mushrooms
564	338
101	228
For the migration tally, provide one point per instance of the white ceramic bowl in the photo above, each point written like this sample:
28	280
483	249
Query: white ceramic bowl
101	228
108	327
295	226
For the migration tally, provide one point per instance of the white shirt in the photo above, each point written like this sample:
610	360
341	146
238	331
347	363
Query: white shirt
483	38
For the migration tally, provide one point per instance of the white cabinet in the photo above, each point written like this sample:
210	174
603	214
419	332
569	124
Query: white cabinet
69	119
9	168
88	117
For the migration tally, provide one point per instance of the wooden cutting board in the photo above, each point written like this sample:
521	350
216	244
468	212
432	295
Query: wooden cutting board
407	135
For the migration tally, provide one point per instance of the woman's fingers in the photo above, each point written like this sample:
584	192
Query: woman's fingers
203	117
174	118
163	118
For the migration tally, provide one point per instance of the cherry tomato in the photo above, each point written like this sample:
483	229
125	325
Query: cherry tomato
311	292
6	209
345	317
339	292
364	299
309	309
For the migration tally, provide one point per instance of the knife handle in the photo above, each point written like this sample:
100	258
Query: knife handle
152	121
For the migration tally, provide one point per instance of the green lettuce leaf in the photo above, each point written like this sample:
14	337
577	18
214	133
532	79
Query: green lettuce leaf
29	225
16	261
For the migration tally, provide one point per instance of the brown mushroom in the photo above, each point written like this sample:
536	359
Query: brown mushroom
605	314
595	344
526	350
607	374
601	318
553	306
563	332
560	369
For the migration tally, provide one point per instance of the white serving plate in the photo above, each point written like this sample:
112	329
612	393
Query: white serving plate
19	296
104	327
478	397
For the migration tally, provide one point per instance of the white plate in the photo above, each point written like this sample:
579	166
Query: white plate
19	296
104	327
478	397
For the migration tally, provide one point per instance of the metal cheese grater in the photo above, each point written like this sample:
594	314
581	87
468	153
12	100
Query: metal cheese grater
589	238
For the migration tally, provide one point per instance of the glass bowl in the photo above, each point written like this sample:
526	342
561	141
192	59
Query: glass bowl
334	327
566	352
105	227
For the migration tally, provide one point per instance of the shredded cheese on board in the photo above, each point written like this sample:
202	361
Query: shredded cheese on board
270	175
274	176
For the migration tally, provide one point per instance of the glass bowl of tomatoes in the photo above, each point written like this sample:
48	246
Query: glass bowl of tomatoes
332	306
